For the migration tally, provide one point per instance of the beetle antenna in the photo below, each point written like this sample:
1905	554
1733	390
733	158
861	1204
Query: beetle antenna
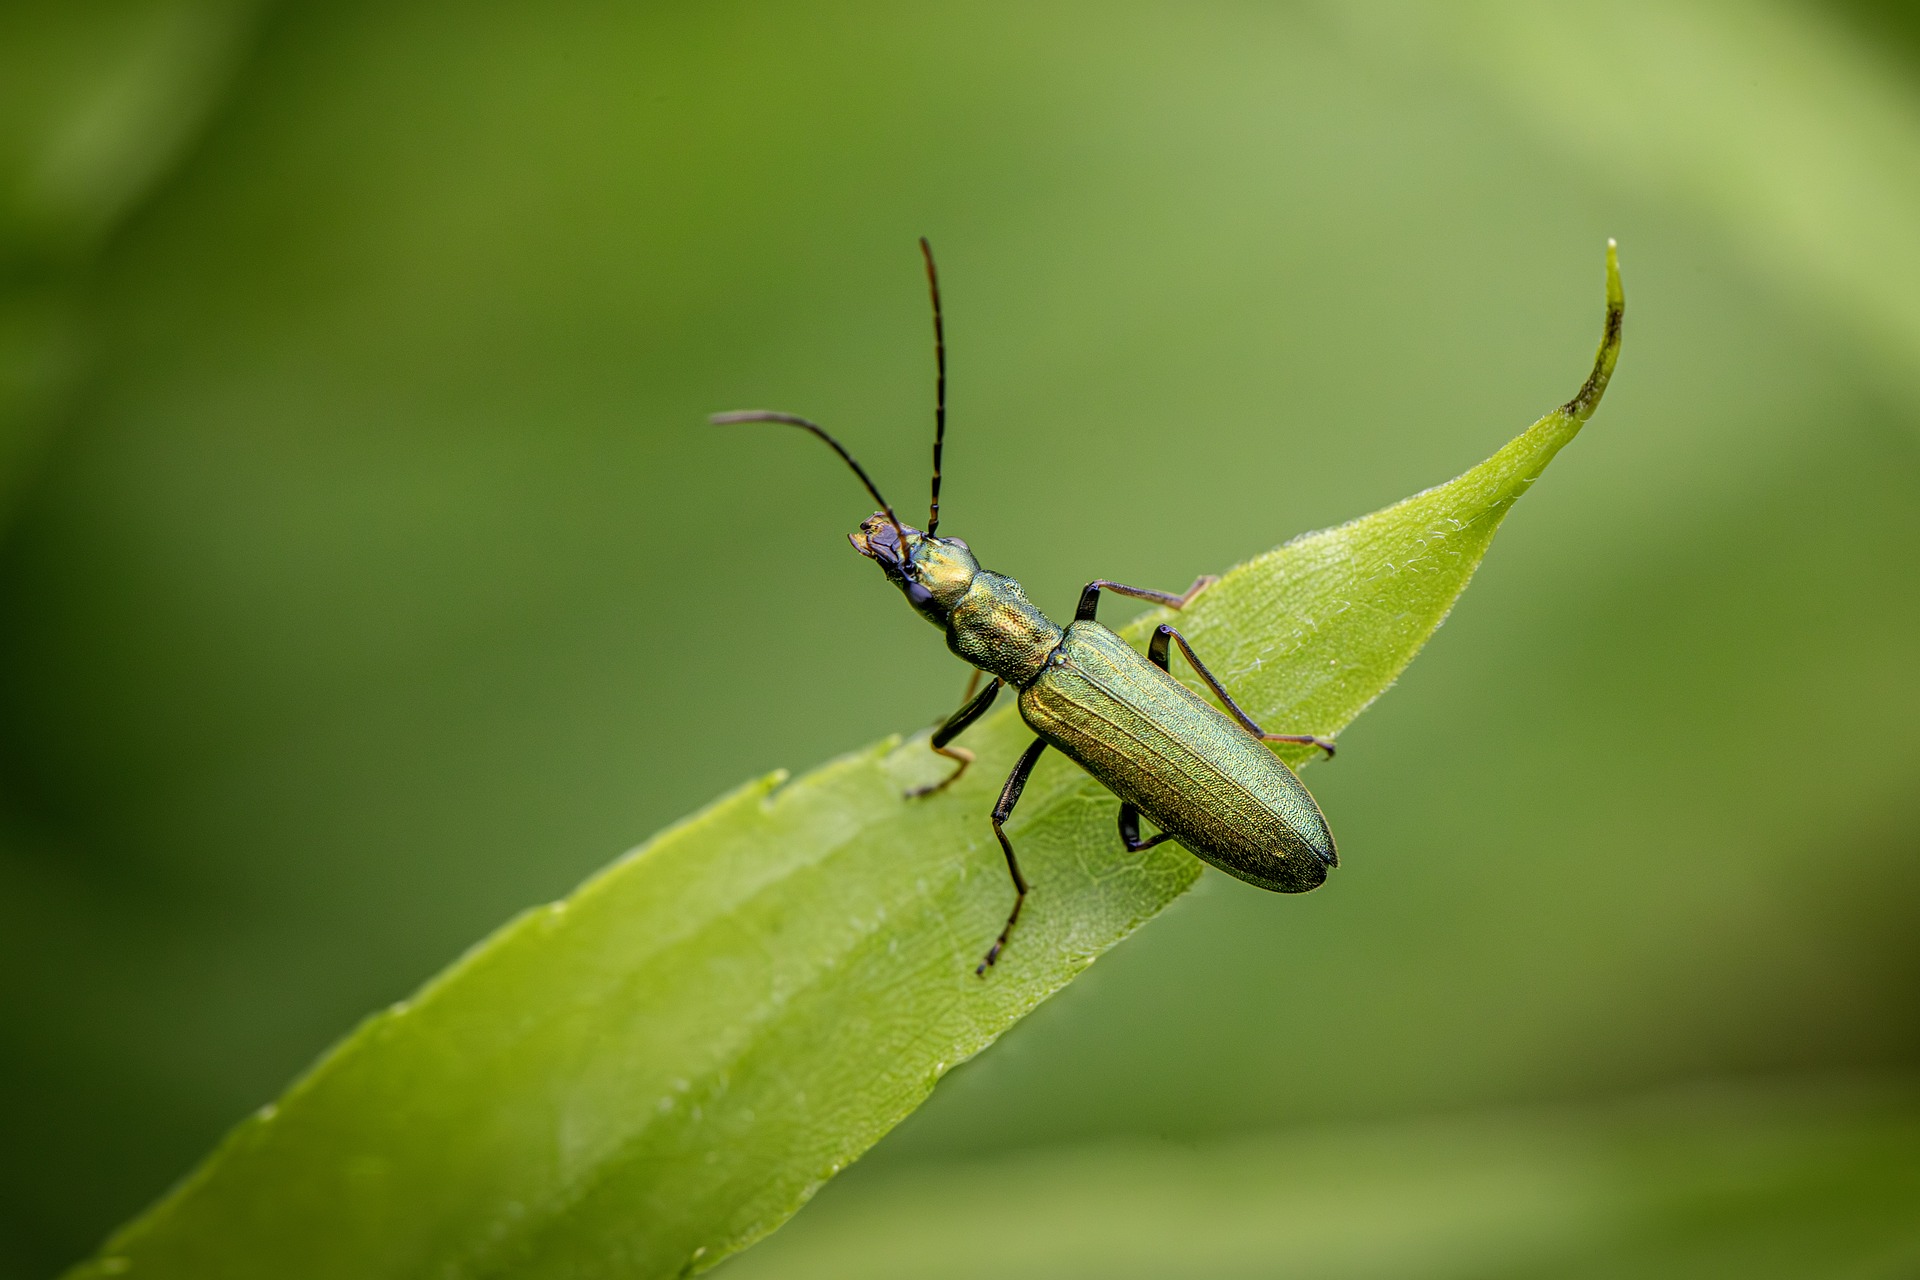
939	384
794	420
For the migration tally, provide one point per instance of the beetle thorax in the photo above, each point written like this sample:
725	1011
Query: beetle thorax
997	629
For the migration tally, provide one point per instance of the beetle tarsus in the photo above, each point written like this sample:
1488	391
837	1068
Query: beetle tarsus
964	758
1304	739
1200	584
999	943
1013	917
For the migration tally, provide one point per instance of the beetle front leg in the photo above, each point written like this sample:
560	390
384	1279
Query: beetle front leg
1157	654
1009	797
955	725
1090	595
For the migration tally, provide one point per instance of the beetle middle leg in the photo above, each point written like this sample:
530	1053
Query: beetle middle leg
1090	595
1158	655
1009	797
956	724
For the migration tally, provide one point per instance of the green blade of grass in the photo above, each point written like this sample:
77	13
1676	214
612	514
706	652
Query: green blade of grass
663	1067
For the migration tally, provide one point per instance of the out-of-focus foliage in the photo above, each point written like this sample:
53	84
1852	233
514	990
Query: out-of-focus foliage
658	1070
1706	1182
329	630
98	98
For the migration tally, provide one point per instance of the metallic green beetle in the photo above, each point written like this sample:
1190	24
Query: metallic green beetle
1205	778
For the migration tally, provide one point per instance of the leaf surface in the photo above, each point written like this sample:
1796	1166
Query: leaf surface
661	1068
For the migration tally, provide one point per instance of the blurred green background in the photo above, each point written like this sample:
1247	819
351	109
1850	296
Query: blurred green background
366	574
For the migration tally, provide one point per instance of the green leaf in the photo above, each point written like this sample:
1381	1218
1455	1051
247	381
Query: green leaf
660	1069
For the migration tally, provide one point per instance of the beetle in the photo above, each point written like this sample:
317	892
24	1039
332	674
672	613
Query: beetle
1203	775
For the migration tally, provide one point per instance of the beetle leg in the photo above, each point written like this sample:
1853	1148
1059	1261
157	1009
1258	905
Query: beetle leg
962	759
1157	654
1009	797
1130	829
1090	595
956	724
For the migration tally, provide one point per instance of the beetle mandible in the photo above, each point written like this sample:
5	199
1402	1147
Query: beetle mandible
1204	777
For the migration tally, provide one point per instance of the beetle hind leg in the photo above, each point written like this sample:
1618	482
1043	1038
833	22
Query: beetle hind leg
1158	654
1130	829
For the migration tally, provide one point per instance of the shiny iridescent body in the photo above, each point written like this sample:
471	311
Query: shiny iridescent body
1204	777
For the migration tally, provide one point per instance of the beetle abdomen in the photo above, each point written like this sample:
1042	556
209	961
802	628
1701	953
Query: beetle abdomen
1194	772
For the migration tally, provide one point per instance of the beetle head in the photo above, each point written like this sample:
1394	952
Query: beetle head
932	572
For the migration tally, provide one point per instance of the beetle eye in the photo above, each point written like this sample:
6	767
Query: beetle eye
917	595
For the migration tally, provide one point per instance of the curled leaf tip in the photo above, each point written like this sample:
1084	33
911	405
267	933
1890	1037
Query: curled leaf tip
1581	407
